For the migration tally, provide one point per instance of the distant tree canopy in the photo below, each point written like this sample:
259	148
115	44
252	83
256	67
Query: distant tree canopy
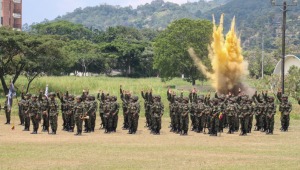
171	57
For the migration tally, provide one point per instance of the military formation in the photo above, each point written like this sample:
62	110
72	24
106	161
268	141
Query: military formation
201	113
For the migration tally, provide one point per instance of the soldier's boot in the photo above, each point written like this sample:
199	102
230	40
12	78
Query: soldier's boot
242	133
229	132
71	129
130	131
158	132
185	133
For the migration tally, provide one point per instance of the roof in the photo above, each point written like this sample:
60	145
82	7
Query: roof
290	60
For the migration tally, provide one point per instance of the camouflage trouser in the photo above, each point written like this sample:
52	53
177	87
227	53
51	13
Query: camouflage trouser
244	124
192	116
71	121
214	125
270	123
113	122
148	116
156	123
64	118
126	119
35	123
231	123
87	123
106	119
21	116
102	119
133	122
173	117
250	123
221	123
53	122
236	123
7	114
285	121
177	121
257	121
78	122
262	121
198	123
93	121
184	123
27	121
45	122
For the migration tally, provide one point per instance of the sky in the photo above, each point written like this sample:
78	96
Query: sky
38	10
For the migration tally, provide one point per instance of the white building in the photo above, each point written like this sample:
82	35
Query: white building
290	60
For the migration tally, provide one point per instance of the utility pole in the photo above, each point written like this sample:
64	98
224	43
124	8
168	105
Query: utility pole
262	57
284	11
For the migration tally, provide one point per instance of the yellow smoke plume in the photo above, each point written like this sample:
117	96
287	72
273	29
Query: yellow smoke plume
225	54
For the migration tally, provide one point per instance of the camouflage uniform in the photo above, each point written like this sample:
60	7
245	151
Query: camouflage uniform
270	112
7	110
184	117
25	106
21	113
34	113
157	110
101	108
133	111
45	111
214	121
125	101
285	108
106	115
231	111
70	114
193	101
64	108
199	114
53	113
114	111
87	122
79	114
252	112
245	110
93	106
147	102
171	99
177	110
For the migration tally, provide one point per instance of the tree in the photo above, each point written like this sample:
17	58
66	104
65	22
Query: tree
171	57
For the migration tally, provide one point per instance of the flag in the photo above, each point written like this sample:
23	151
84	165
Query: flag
221	116
10	95
46	91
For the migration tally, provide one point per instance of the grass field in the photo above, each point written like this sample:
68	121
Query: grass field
21	150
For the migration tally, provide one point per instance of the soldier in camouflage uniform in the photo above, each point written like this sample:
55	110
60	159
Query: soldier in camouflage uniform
53	112
259	111
214	120
231	111
193	101
199	114
285	108
64	108
87	120
270	112
21	113
133	111
101	99
244	109
157	111
252	112
176	108
34	113
7	110
106	115
25	106
171	98
184	117
222	104
114	111
45	111
70	114
79	114
125	97
146	97
93	106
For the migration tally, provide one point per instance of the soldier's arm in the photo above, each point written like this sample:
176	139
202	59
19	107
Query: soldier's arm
40	96
279	95
143	95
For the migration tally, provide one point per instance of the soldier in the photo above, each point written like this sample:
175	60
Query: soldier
259	111
64	108
125	97
171	99
184	117
102	99
252	108
79	114
145	96
231	110
214	120
245	110
34	113
157	111
70	114
133	114
45	111
53	113
114	111
7	110
87	120
25	106
270	112
193	101
285	108
107	115
222	101
93	106
199	114
21	113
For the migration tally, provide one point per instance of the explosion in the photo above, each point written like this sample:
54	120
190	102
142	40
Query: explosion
225	54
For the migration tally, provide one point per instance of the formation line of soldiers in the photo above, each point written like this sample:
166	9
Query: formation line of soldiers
205	113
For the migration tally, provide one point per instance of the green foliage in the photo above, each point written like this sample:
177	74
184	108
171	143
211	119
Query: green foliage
293	82
171	48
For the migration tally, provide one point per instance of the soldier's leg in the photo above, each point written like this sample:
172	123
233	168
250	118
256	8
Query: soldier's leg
93	121
130	123
7	114
33	124
236	123
242	125
272	124
72	122
197	123
250	124
159	125
186	125
246	124
282	122
115	122
262	123
102	120
110	123
181	124
135	123
47	122
55	124
220	125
